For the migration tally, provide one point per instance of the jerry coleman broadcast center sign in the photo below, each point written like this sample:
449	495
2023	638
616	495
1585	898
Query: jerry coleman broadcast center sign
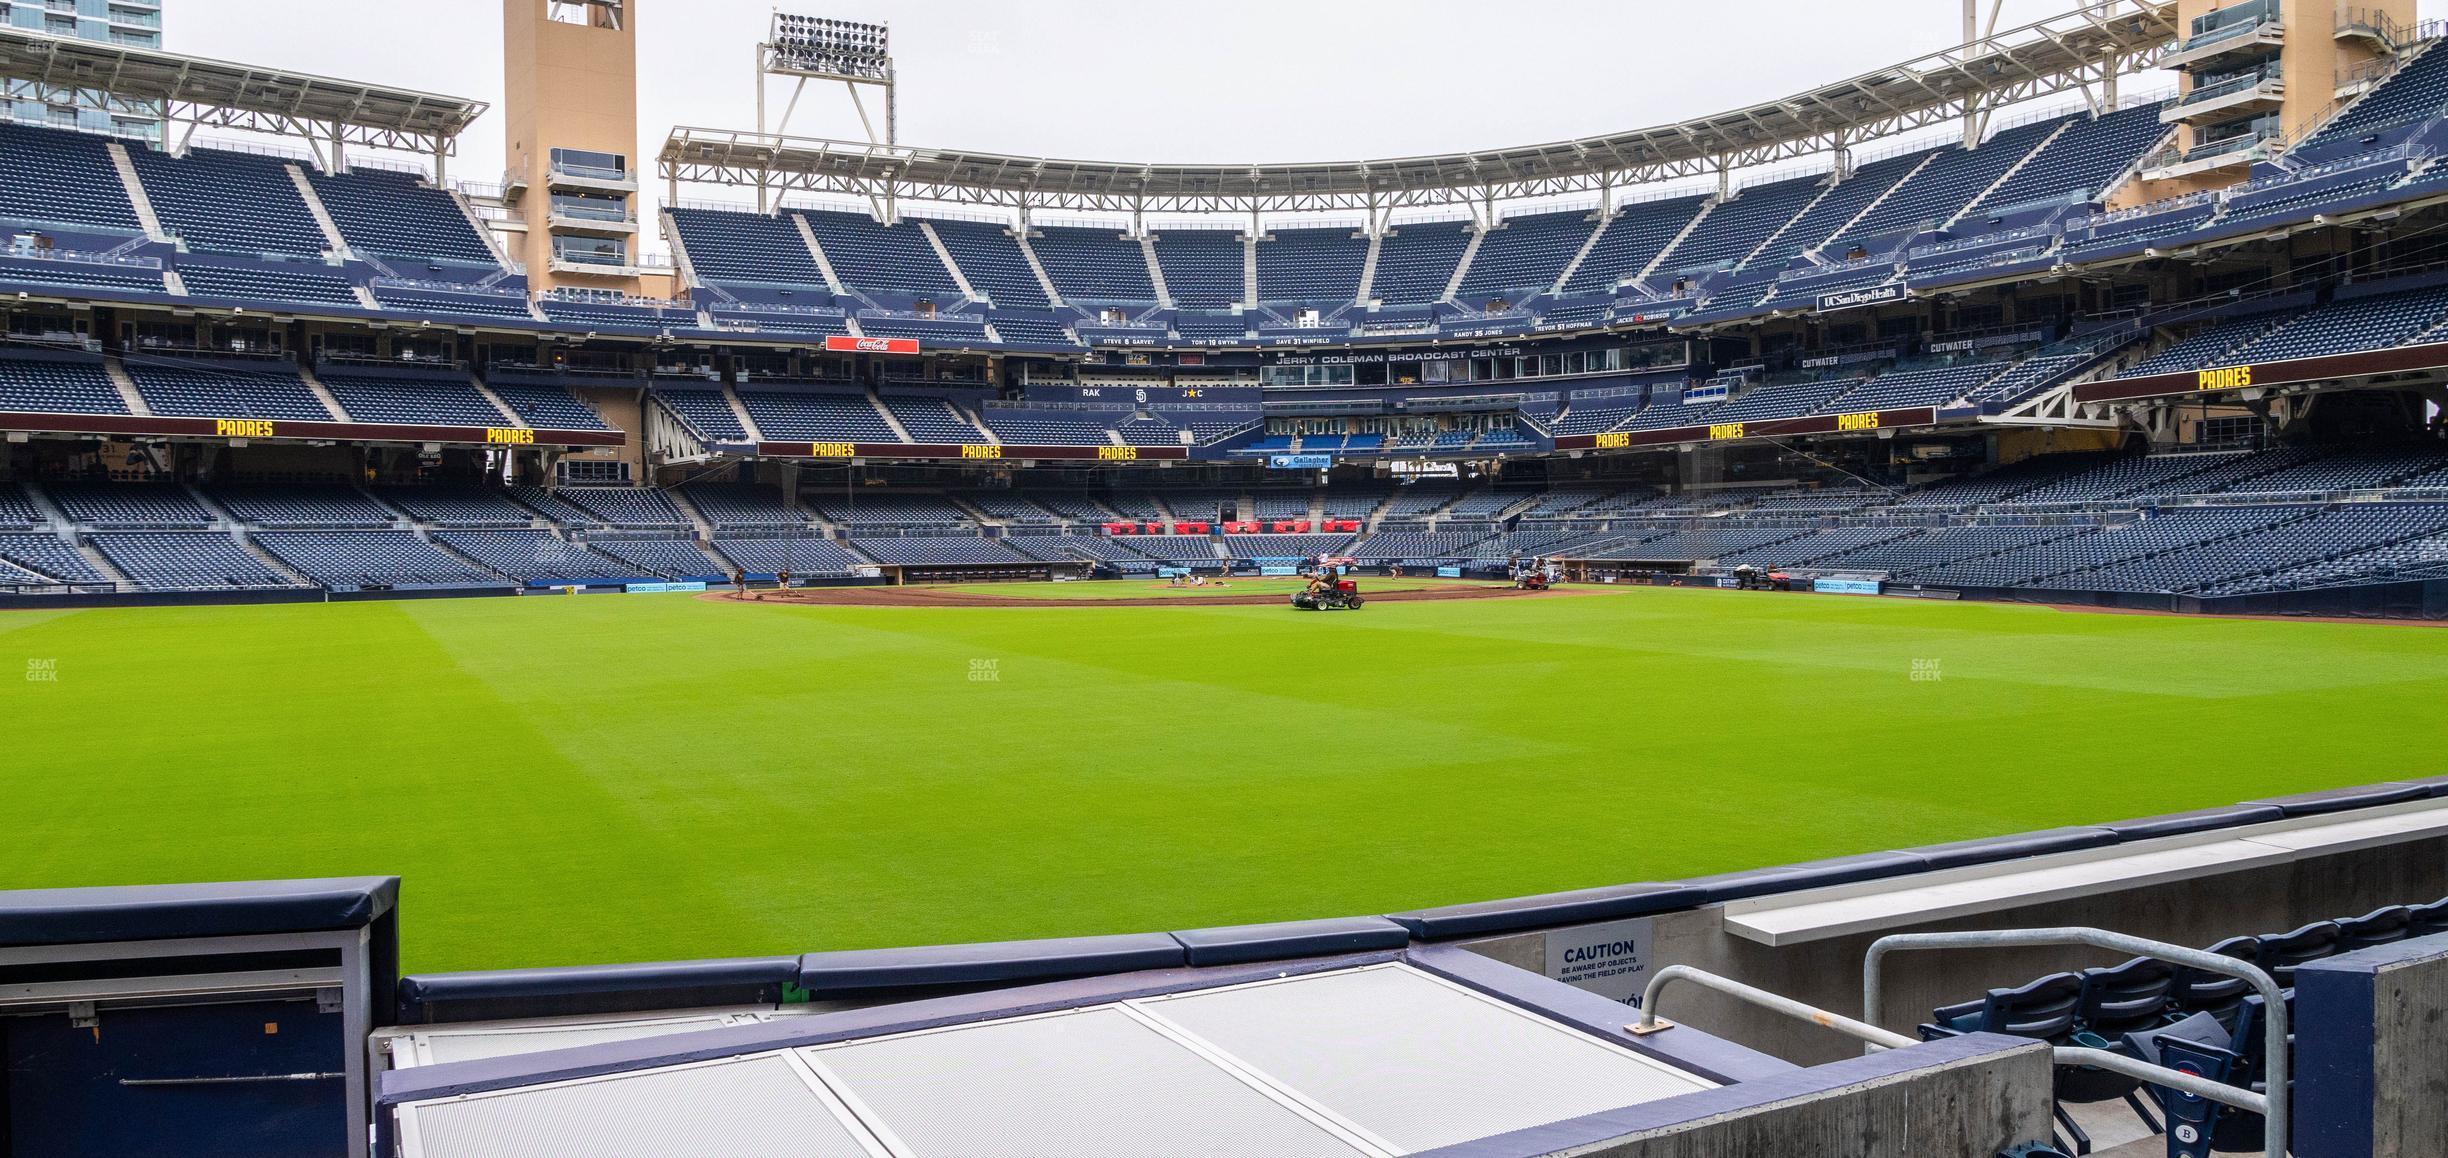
1612	960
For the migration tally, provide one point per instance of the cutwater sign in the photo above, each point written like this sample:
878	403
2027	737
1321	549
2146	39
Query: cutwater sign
1851	299
1612	960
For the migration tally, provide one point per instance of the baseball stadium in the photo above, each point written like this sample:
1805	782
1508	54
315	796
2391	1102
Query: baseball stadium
1902	618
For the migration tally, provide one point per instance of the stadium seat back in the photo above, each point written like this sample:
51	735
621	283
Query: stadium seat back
2217	994
2379	927
2122	998
2282	952
2427	920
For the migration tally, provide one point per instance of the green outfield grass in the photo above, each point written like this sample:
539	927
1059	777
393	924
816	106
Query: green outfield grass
567	780
1160	589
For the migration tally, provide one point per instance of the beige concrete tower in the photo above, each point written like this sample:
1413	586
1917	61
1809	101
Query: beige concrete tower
570	88
2260	75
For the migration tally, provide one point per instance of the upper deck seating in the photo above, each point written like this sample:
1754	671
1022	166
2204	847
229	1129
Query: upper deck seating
1089	264
2082	160
229	202
1416	261
1202	267
1631	240
401	218
56	177
993	263
1526	254
1311	264
873	257
745	247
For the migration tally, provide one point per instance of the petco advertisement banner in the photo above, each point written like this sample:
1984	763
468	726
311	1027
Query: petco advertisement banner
1846	586
845	344
1612	960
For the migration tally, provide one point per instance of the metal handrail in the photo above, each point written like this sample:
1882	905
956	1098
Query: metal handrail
2272	1107
1650	1022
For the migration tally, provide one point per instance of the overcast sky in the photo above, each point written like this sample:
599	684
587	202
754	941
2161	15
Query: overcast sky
1255	80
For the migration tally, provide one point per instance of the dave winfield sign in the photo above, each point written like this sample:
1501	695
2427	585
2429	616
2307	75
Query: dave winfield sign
1612	960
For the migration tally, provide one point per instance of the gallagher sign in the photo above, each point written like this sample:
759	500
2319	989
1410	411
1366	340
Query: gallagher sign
845	344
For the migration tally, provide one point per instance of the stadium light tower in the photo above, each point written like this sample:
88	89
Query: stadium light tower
806	48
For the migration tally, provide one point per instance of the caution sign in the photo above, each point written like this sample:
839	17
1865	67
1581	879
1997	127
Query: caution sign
1612	960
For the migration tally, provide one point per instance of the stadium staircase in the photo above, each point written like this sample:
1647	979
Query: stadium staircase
1368	269
129	396
136	195
1582	254
1461	269
464	559
1155	268
493	244
876	401
333	240
977	423
739	411
824	264
1799	216
509	413
323	394
943	254
1877	201
1682	235
1966	209
1249	270
1045	281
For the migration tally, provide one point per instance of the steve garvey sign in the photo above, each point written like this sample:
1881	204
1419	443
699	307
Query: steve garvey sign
1612	960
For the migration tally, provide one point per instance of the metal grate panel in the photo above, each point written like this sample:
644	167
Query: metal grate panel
1072	1085
1414	1060
451	1046
751	1105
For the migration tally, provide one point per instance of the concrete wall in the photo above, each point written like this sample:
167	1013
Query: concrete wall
2371	1069
1828	973
1969	1098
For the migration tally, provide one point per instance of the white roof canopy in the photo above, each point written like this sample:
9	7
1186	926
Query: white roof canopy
2083	50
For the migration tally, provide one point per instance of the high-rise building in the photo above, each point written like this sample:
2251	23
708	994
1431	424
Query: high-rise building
135	23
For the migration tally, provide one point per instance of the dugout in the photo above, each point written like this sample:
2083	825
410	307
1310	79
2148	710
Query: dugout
898	575
214	1021
1417	1050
